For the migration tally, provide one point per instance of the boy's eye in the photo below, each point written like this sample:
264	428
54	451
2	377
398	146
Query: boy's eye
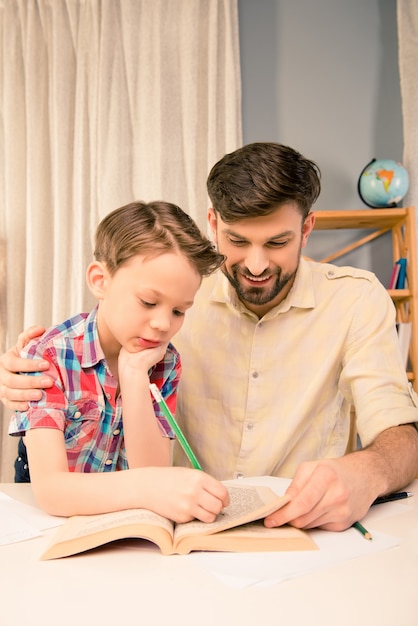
237	242
178	313
147	304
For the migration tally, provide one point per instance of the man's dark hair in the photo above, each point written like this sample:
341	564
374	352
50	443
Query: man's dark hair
259	177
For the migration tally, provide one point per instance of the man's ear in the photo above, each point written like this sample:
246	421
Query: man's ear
307	227
212	223
96	278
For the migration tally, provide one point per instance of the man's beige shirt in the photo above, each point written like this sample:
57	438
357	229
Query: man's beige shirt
259	396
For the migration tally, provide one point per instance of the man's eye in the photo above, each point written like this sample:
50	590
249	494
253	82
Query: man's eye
277	244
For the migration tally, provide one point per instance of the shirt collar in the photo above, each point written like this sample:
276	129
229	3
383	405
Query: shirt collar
300	296
92	350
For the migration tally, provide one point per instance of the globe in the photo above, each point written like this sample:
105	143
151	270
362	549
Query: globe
383	183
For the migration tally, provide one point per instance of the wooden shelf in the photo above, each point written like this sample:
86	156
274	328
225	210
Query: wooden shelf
367	218
401	223
400	294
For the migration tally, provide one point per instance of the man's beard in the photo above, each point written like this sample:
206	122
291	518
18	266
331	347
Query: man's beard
258	295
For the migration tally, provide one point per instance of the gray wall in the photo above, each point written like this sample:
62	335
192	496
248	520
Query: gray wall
322	76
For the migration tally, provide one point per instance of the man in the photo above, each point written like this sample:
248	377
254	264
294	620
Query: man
278	349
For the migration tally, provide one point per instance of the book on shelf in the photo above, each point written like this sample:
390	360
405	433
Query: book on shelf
404	335
394	276
398	277
239	528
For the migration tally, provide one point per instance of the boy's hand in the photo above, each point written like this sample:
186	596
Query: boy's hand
15	390
142	361
182	494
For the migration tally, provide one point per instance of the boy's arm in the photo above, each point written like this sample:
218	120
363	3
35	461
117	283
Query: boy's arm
15	390
62	492
144	440
178	493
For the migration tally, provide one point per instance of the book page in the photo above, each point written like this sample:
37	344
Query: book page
83	532
247	503
82	525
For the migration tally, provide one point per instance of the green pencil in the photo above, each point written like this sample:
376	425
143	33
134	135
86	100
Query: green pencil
176	428
362	530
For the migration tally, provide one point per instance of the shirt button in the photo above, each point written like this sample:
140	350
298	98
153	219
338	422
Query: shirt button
108	396
239	475
109	462
331	273
116	432
77	415
249	426
255	374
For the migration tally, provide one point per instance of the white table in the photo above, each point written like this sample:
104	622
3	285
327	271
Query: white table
135	584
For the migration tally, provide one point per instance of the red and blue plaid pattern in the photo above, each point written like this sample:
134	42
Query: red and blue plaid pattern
83	402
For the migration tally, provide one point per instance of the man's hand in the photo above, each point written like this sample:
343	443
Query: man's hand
329	494
15	390
334	493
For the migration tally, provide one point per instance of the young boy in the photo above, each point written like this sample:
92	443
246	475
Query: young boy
85	454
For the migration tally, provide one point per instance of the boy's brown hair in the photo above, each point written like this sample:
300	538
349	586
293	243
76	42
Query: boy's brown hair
153	228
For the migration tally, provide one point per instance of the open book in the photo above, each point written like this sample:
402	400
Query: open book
239	528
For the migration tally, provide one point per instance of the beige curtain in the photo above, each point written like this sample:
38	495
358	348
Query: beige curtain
407	18
102	102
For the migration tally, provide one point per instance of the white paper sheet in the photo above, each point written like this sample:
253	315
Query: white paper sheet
269	568
13	528
19	522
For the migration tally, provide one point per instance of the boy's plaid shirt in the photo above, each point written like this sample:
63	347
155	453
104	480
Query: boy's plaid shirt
82	402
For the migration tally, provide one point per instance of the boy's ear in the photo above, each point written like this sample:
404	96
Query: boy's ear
96	278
